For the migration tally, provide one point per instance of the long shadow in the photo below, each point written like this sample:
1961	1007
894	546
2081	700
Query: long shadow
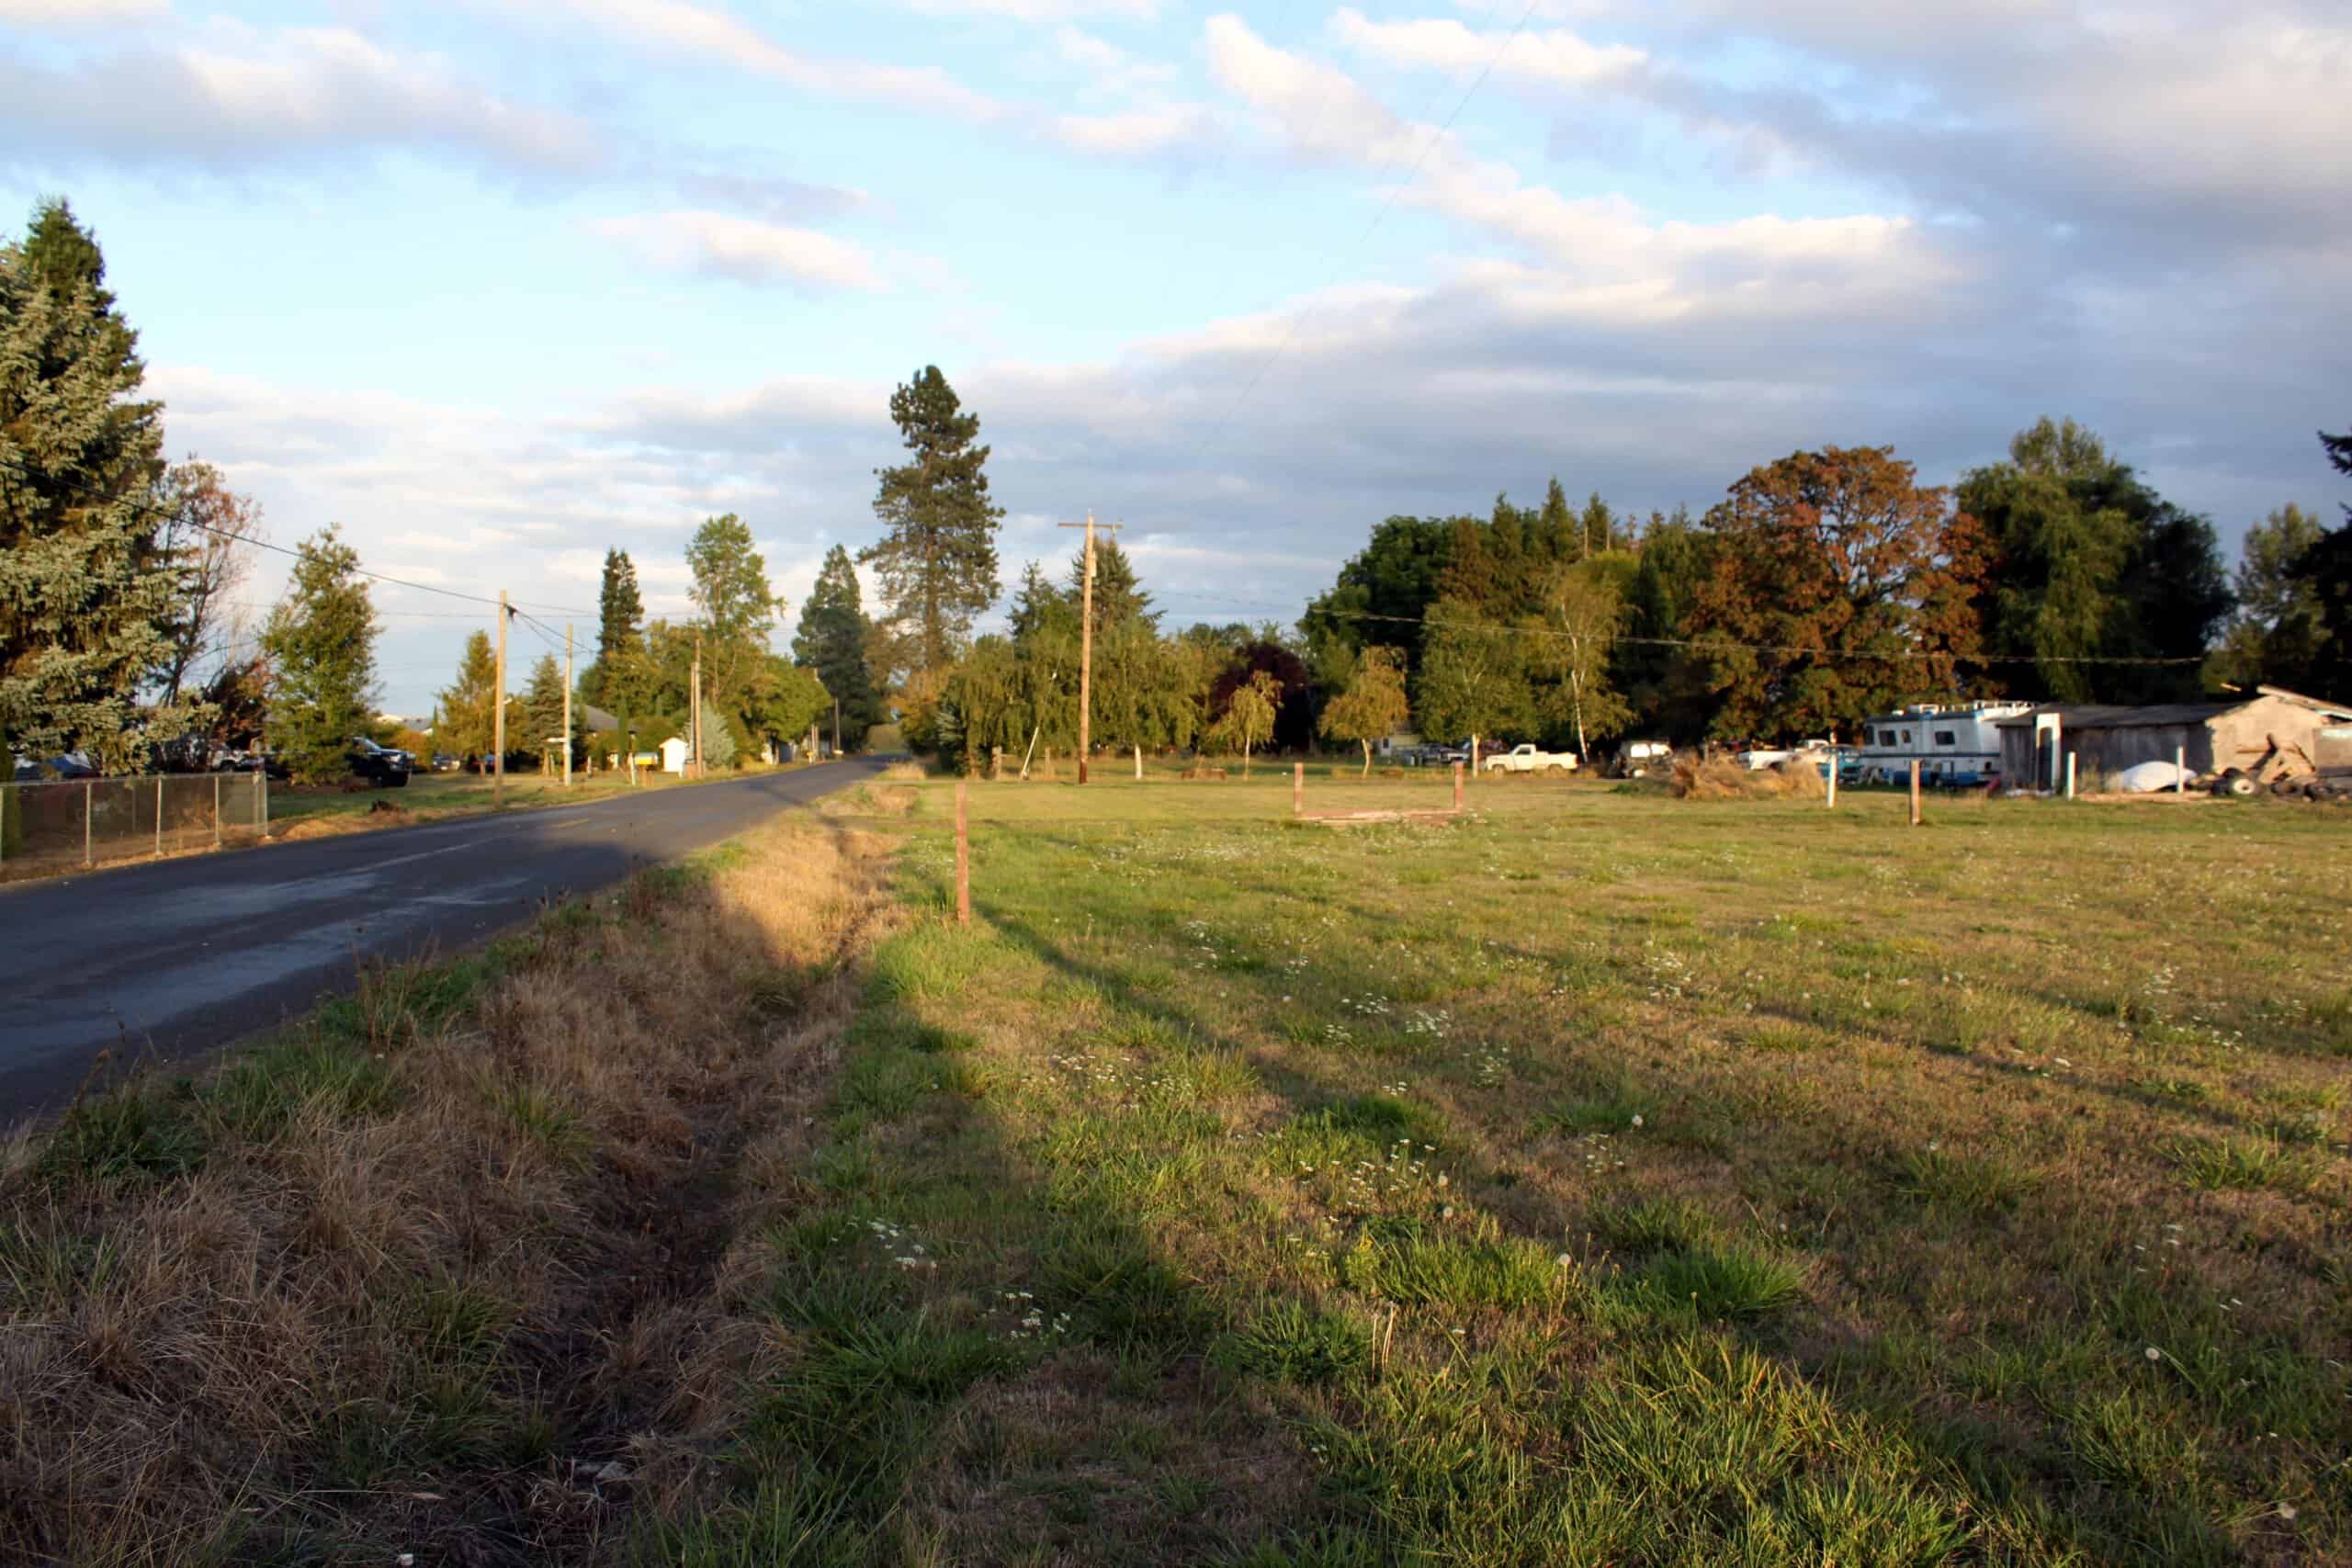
2000	1467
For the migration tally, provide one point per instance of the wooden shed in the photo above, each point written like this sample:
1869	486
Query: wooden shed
2208	736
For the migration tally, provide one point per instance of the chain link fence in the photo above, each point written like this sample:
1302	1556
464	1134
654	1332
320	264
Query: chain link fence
46	828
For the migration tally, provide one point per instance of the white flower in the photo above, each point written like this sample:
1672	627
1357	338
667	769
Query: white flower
2154	1354
1637	1120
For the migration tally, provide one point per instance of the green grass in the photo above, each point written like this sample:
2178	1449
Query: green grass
1597	1178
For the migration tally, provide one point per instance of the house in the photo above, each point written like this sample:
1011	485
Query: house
2305	734
1402	741
674	755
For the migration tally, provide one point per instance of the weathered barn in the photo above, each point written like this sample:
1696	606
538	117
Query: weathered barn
2208	738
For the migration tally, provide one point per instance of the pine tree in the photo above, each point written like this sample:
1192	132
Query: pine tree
84	592
543	704
937	555
1597	529
322	646
620	634
1555	525
832	641
1118	597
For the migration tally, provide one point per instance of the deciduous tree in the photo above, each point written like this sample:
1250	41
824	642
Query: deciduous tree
1249	714
735	605
936	558
1373	705
1841	586
1571	643
1474	676
209	537
2281	626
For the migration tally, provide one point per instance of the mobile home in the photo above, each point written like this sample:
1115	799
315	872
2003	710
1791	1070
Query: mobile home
1955	743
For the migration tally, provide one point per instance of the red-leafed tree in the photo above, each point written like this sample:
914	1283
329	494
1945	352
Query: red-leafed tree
1840	587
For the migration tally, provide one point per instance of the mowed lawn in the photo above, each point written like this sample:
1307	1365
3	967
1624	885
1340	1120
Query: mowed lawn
1599	1178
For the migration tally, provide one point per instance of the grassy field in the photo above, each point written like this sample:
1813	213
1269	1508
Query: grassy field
449	795
1598	1179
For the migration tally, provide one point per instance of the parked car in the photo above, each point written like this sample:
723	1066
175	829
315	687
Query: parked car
1637	759
379	765
443	763
1525	758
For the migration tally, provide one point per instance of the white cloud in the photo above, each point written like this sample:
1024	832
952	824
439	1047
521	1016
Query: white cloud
1137	133
82	13
715	244
248	95
683	27
1038	10
1441	44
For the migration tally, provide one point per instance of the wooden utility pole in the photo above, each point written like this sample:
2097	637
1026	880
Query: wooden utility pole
567	704
1086	643
837	728
694	729
498	711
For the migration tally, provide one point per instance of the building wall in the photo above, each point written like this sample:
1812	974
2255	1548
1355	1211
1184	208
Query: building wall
2237	739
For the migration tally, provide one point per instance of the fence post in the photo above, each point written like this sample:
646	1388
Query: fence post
1915	792
963	862
261	797
2181	770
216	811
1457	786
1298	789
88	786
1833	781
159	817
2070	775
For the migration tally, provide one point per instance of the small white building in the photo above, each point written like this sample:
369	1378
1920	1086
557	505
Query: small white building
1955	743
674	755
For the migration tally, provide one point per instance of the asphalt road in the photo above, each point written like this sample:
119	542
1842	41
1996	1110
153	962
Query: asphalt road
181	955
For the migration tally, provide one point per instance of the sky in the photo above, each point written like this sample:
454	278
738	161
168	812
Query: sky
499	283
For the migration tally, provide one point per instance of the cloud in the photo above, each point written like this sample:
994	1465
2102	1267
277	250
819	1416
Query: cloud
82	13
775	198
680	27
717	244
1038	10
276	97
1559	57
1138	133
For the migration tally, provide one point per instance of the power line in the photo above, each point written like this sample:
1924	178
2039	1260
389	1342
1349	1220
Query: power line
178	521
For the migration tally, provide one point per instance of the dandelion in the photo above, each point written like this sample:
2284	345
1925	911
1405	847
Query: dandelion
2154	1354
1637	1120
2287	1511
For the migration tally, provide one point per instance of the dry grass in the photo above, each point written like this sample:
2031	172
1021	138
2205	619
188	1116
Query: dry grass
408	1278
1720	778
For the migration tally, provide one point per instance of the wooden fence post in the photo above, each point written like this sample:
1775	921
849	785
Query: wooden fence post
1457	786
1915	792
2181	770
1298	789
87	789
963	862
159	817
1833	781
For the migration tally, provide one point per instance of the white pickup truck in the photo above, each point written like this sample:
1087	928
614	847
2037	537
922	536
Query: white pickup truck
1526	759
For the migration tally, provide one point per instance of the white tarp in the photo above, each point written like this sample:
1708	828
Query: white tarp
2146	778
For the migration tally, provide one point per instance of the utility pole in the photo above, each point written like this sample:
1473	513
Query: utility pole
567	704
697	726
837	727
1086	643
498	711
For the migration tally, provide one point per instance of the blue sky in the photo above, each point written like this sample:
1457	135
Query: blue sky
500	283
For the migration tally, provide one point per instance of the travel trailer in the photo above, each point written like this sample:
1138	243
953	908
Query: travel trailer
1955	744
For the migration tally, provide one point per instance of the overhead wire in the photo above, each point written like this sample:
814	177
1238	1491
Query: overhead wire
177	521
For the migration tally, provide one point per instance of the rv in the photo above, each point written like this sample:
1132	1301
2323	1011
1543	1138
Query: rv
1955	744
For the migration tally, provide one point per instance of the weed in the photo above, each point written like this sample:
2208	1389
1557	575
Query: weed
1977	1184
1290	1342
1617	1108
1482	1268
1727	1281
2213	1164
126	1134
1654	1224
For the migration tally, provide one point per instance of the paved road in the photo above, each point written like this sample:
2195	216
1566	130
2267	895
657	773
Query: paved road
178	957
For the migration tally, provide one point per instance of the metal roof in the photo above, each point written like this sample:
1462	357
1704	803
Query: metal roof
2097	715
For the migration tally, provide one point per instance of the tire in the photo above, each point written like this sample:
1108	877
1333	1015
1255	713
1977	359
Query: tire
398	780
1556	771
2235	785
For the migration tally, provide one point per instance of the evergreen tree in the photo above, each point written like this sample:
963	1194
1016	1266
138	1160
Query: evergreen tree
86	592
322	646
1118	598
1597	529
1667	687
831	640
1556	526
469	707
937	555
718	746
1037	605
620	633
542	706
